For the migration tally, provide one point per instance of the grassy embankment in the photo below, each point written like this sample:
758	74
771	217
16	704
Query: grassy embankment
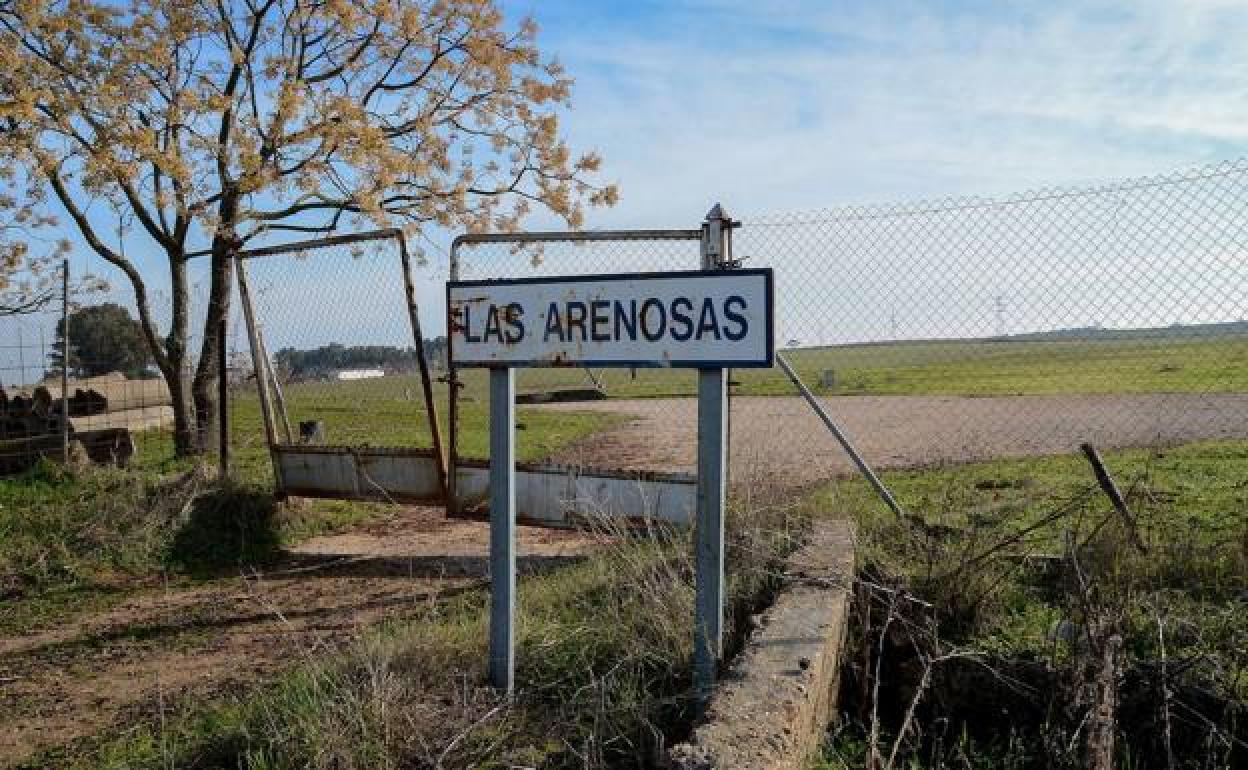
603	651
604	654
1013	580
974	582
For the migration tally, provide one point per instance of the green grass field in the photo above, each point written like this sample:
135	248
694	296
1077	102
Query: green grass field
1173	364
389	411
73	544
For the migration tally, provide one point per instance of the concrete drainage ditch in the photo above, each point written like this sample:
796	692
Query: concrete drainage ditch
771	710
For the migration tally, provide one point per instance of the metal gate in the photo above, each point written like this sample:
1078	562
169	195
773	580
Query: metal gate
358	435
561	489
334	430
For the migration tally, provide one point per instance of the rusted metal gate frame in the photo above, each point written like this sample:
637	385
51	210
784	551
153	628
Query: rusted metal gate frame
265	377
455	503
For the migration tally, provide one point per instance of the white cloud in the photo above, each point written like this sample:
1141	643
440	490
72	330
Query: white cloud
808	104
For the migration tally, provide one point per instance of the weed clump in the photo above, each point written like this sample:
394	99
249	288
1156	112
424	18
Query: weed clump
69	535
1019	618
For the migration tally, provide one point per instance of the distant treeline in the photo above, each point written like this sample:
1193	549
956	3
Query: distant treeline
327	359
1173	331
1209	331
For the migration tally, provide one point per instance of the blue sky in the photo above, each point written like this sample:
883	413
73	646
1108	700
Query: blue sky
773	106
787	105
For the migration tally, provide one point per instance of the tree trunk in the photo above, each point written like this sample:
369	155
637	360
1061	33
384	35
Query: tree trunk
177	368
203	386
185	442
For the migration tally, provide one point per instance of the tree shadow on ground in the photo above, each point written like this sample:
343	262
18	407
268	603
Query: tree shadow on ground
228	527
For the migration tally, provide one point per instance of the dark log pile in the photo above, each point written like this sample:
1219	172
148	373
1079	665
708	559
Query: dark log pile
101	413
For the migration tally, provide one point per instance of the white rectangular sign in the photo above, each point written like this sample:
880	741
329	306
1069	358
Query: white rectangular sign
699	319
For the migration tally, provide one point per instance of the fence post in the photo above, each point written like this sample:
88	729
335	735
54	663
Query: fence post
65	361
452	402
426	385
502	528
709	534
223	397
261	369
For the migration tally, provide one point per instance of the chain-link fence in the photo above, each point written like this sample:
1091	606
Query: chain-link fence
573	415
331	320
940	332
966	329
114	408
935	332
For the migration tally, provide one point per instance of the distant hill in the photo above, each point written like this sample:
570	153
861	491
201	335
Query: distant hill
1080	334
1185	331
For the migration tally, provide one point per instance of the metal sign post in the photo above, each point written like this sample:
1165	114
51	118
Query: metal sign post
709	319
708	628
503	528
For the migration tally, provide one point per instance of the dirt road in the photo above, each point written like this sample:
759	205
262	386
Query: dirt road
782	437
163	648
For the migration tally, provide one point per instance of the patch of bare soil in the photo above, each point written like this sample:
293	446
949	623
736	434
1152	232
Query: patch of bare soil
784	440
158	650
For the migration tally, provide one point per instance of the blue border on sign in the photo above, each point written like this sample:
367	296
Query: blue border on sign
769	289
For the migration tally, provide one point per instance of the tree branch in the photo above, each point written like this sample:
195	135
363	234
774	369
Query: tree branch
115	259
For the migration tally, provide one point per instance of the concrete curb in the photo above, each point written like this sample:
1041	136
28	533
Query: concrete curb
772	709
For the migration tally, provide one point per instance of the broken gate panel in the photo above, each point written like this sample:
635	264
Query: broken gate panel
397	475
357	407
547	495
337	351
563	496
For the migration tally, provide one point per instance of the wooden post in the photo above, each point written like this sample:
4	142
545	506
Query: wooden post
279	399
257	359
65	361
426	385
223	399
1115	497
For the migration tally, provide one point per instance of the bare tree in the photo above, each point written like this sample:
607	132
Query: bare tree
29	278
210	123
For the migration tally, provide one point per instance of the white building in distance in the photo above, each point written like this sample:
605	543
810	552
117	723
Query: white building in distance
358	374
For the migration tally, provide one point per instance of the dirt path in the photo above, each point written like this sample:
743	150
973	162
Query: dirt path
782	437
162	649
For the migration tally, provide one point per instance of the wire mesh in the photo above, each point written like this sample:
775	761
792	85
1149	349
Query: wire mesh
946	331
935	332
119	408
334	323
560	408
967	329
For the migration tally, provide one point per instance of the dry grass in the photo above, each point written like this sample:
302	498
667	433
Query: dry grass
604	655
1018	619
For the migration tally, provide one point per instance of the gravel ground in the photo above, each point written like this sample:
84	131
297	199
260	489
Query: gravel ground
783	439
